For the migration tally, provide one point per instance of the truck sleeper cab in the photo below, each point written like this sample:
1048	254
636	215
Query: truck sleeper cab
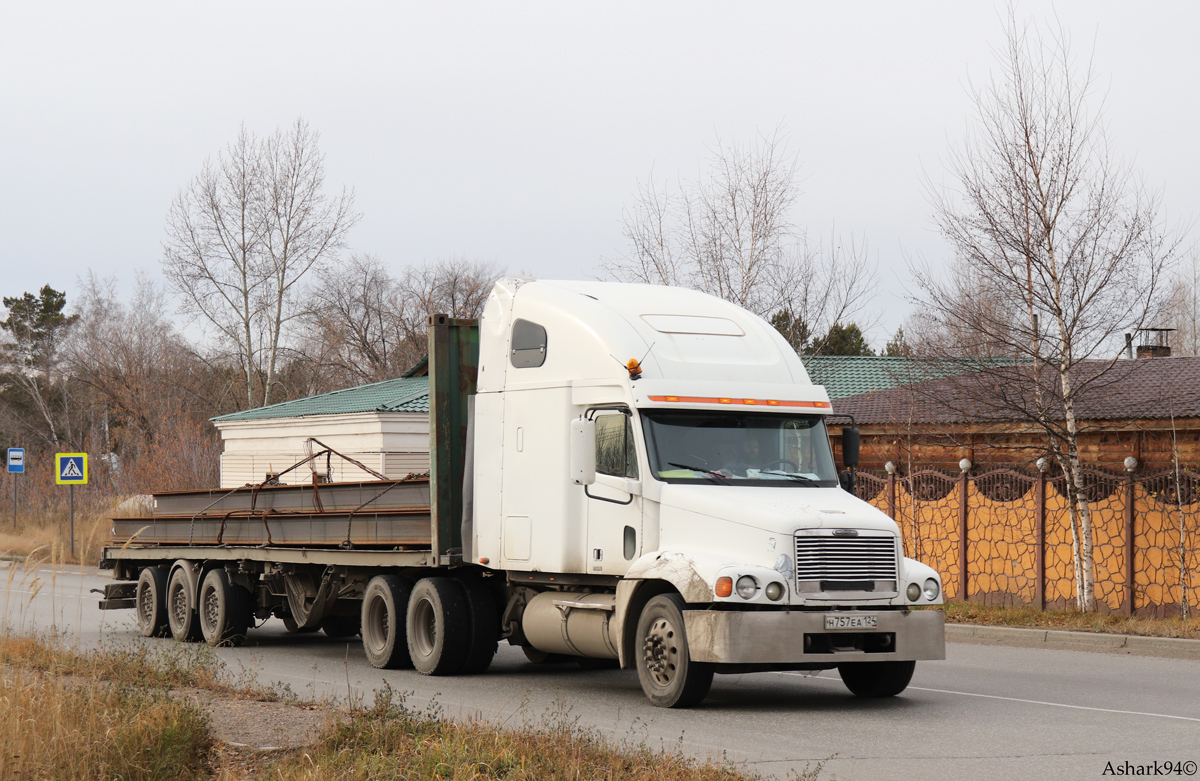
642	476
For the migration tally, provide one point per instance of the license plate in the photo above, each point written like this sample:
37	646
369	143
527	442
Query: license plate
851	621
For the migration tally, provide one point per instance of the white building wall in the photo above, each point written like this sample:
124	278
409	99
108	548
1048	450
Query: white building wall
393	443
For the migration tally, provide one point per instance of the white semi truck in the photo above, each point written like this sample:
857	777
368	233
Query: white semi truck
620	474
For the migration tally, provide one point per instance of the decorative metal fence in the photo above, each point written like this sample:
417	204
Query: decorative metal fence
1009	531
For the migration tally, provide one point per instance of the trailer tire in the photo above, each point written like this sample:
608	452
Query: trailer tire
876	679
342	626
223	610
151	602
485	627
181	606
293	628
439	626
384	632
669	678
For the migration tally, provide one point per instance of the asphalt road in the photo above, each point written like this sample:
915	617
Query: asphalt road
985	713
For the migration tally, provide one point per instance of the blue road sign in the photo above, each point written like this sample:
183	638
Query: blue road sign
16	460
70	468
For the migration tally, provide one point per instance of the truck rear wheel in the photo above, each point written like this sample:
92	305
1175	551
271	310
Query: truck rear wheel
668	676
877	679
181	607
439	626
223	610
485	626
384	637
151	601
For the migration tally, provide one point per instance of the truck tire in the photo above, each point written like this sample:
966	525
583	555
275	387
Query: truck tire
384	634
485	626
341	626
181	607
439	626
876	679
668	676
151	601
223	610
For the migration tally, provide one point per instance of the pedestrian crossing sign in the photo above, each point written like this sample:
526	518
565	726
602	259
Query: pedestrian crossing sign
70	468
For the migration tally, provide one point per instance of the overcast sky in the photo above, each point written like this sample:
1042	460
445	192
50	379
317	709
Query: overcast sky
515	133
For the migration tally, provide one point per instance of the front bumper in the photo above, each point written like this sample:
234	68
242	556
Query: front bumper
778	637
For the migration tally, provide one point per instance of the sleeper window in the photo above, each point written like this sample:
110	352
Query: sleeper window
615	452
528	345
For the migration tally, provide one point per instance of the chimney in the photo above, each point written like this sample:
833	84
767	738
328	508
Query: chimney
1129	346
1154	342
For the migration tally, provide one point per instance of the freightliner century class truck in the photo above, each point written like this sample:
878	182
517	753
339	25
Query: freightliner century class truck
620	474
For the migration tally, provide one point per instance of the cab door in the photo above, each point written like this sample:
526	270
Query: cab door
614	501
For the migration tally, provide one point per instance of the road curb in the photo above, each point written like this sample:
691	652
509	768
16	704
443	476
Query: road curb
1064	640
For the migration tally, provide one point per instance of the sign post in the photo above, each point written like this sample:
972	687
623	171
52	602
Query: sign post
71	469
16	465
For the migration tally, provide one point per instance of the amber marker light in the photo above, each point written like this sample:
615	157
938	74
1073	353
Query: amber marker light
747	402
724	587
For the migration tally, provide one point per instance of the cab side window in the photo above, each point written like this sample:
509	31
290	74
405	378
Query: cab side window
528	345
615	452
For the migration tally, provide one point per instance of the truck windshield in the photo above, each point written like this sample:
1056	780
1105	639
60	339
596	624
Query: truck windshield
738	448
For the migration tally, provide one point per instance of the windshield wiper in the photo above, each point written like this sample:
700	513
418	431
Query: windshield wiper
789	475
716	478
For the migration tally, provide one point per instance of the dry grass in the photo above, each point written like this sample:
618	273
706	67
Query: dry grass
51	727
975	613
390	740
109	713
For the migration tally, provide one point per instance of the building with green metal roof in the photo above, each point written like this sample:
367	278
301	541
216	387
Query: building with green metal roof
383	425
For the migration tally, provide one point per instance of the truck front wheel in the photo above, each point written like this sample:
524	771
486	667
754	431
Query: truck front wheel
876	679
668	676
383	621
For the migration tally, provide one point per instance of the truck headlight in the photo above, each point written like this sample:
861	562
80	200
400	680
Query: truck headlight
931	589
774	591
746	587
913	592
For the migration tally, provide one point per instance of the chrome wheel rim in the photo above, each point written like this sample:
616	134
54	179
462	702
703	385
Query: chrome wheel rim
660	652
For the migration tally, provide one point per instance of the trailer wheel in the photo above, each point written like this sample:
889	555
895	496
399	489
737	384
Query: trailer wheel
439	626
223	610
152	603
181	609
668	676
877	679
341	626
485	626
384	638
293	628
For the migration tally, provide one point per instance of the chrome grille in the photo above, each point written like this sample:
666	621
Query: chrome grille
845	559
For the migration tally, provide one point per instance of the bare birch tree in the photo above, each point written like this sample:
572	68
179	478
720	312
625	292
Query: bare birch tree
1058	250
730	233
242	235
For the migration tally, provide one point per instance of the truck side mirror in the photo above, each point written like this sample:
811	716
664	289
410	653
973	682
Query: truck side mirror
850	443
583	451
